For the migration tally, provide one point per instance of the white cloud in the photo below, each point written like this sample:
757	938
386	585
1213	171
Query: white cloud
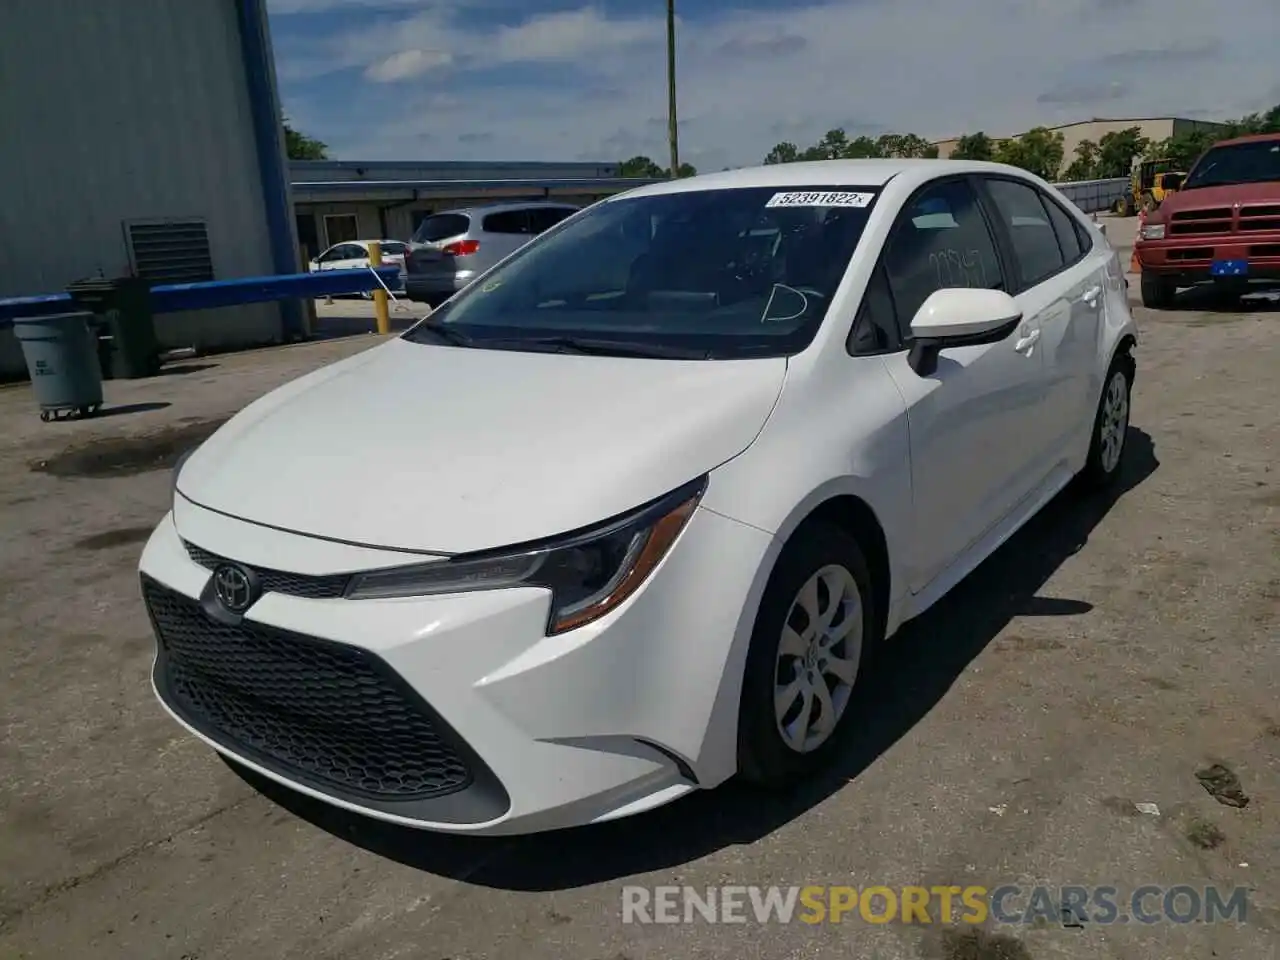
568	35
749	78
407	64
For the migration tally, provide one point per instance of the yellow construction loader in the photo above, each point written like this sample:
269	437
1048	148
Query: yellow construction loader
1146	191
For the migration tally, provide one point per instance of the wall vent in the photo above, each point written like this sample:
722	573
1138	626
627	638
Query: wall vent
170	251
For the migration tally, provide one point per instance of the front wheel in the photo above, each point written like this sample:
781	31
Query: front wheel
1110	427
1157	291
816	618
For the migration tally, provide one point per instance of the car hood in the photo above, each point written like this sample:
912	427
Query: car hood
442	449
1204	197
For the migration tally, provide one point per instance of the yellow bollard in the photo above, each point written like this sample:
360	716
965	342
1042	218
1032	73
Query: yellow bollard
379	292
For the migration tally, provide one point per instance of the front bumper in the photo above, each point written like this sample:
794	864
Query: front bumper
1189	260
454	713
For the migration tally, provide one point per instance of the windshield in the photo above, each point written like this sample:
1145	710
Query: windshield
1257	162
730	272
441	227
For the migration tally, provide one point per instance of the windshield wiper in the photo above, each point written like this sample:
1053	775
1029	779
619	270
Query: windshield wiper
602	347
446	332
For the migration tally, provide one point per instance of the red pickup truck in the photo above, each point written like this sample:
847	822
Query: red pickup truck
1222	225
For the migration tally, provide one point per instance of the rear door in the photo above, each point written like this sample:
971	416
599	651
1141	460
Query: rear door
973	422
1061	284
503	233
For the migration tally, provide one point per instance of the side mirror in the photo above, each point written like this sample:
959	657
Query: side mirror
1173	181
959	317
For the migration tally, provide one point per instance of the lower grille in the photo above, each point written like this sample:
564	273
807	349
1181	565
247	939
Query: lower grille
322	713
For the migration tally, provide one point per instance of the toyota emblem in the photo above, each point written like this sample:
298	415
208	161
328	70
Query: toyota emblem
234	587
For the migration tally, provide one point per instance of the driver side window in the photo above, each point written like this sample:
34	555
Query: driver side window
941	240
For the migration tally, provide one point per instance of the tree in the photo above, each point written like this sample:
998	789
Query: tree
906	145
641	167
1084	163
646	169
785	152
1038	151
1185	148
299	146
974	146
1117	151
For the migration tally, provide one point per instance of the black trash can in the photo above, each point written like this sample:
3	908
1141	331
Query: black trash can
123	305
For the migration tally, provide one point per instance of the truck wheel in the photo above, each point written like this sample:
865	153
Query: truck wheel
1157	291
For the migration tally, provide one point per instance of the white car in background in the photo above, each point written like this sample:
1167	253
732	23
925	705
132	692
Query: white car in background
354	254
644	494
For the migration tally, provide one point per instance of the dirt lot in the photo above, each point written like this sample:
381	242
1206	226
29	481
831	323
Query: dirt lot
1099	660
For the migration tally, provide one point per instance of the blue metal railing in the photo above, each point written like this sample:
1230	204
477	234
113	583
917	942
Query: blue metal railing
173	297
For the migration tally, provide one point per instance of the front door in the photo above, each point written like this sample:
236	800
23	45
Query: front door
974	422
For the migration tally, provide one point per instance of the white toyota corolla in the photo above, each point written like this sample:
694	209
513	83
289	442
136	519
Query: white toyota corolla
620	520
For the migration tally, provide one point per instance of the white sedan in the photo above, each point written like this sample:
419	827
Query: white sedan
354	255
634	505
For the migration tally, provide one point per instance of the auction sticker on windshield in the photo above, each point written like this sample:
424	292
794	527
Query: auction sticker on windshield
835	199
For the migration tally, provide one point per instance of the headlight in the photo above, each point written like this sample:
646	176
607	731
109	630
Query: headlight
588	573
1153	231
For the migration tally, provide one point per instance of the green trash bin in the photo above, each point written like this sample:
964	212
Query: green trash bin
124	306
62	357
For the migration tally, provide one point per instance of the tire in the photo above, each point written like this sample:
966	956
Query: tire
1157	291
819	553
1109	439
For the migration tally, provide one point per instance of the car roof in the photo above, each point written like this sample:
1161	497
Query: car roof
822	173
501	207
1252	138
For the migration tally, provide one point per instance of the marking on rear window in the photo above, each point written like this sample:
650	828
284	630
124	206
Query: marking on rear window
833	199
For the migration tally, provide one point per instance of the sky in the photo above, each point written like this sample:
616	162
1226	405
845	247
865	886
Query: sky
564	80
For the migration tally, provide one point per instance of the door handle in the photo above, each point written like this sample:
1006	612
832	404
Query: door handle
1091	296
1025	344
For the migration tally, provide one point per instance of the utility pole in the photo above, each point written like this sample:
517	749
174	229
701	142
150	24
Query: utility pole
672	134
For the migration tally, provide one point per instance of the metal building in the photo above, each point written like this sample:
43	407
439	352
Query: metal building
143	136
340	200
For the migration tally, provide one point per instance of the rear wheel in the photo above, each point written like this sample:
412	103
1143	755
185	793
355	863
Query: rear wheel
1110	426
816	618
1157	291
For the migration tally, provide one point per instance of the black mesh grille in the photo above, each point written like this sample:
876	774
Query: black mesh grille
309	708
327	587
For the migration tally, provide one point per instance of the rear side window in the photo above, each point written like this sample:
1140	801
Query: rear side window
544	218
941	240
1035	244
392	248
1064	225
441	226
508	221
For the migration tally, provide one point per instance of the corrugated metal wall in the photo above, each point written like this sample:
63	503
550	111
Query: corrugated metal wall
114	110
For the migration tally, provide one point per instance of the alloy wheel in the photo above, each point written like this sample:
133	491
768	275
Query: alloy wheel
818	656
1114	424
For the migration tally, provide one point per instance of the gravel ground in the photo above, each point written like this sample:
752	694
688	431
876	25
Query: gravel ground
1101	659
